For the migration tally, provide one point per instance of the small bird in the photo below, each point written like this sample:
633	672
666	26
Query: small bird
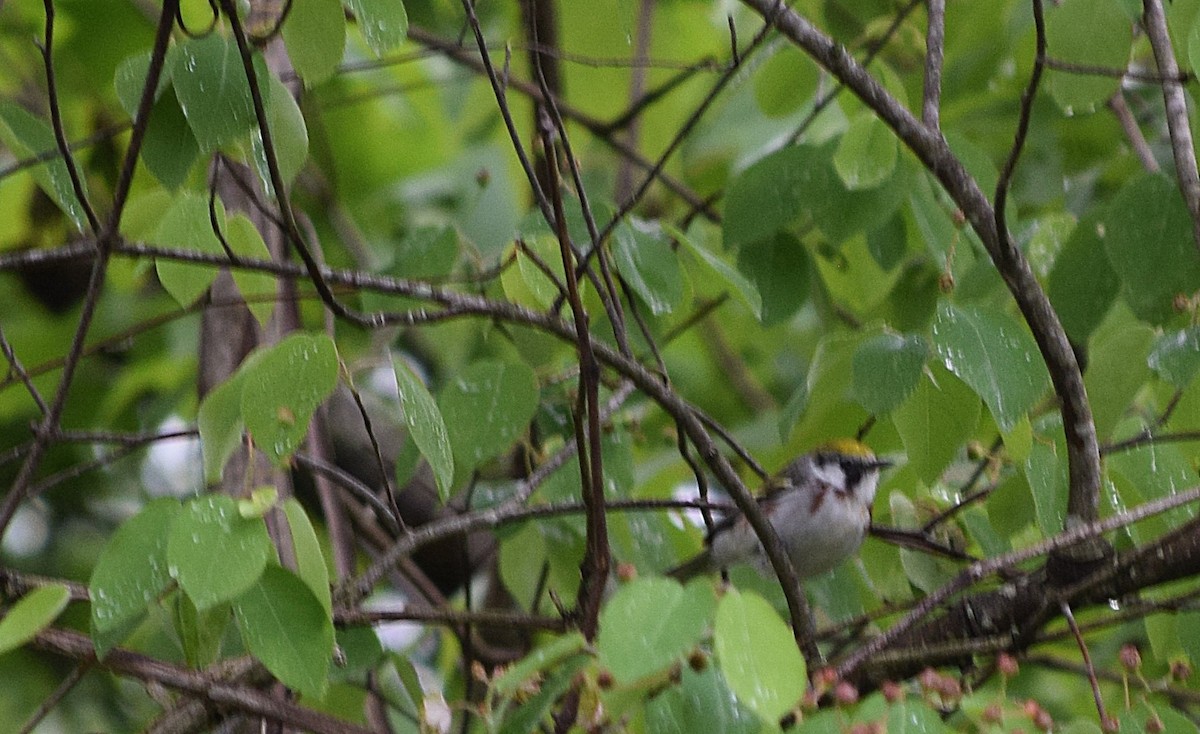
820	505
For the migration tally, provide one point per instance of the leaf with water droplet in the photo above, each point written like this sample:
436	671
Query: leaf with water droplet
887	369
214	552
1176	356
486	409
384	23
987	349
758	655
210	83
282	388
187	225
132	567
426	426
25	136
286	627
650	624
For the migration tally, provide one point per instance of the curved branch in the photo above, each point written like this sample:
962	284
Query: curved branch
933	151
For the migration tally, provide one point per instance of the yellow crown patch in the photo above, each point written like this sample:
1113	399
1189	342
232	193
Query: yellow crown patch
848	447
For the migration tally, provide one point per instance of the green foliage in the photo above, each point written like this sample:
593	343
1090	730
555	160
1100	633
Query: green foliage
33	613
799	273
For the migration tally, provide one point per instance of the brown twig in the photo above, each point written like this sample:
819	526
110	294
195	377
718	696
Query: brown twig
1087	660
935	41
1177	115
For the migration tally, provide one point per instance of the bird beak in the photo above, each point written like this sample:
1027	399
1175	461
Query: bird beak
880	464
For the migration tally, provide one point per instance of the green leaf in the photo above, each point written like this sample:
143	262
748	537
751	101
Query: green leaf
315	35
767	196
210	83
649	624
1086	32
1148	226
526	717
200	633
282	389
914	716
887	369
785	81
528	284
220	423
757	655
31	614
542	658
830	411
780	270
261	501
214	553
129	80
169	148
1116	369
935	421
186	225
486	408
925	571
245	241
1176	356
310	561
289	136
426	426
1081	285
866	154
384	23
991	352
1046	472
701	702
647	263
27	136
774	192
287	628
131	572
742	287
430	252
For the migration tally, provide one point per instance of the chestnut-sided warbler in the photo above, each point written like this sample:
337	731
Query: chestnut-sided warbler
820	505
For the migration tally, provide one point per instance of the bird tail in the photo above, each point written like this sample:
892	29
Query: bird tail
700	565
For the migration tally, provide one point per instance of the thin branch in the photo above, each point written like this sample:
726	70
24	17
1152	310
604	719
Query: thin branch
596	557
60	135
597	127
935	41
1177	115
1133	133
16	367
1087	660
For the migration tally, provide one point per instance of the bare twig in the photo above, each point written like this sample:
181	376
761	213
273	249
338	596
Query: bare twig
1177	115
1087	660
935	41
1133	133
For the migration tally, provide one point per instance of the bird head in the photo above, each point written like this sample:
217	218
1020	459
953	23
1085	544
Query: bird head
851	466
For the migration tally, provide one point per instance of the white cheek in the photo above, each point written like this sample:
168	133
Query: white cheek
830	474
867	487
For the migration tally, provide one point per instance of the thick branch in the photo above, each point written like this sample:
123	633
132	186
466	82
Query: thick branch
78	646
